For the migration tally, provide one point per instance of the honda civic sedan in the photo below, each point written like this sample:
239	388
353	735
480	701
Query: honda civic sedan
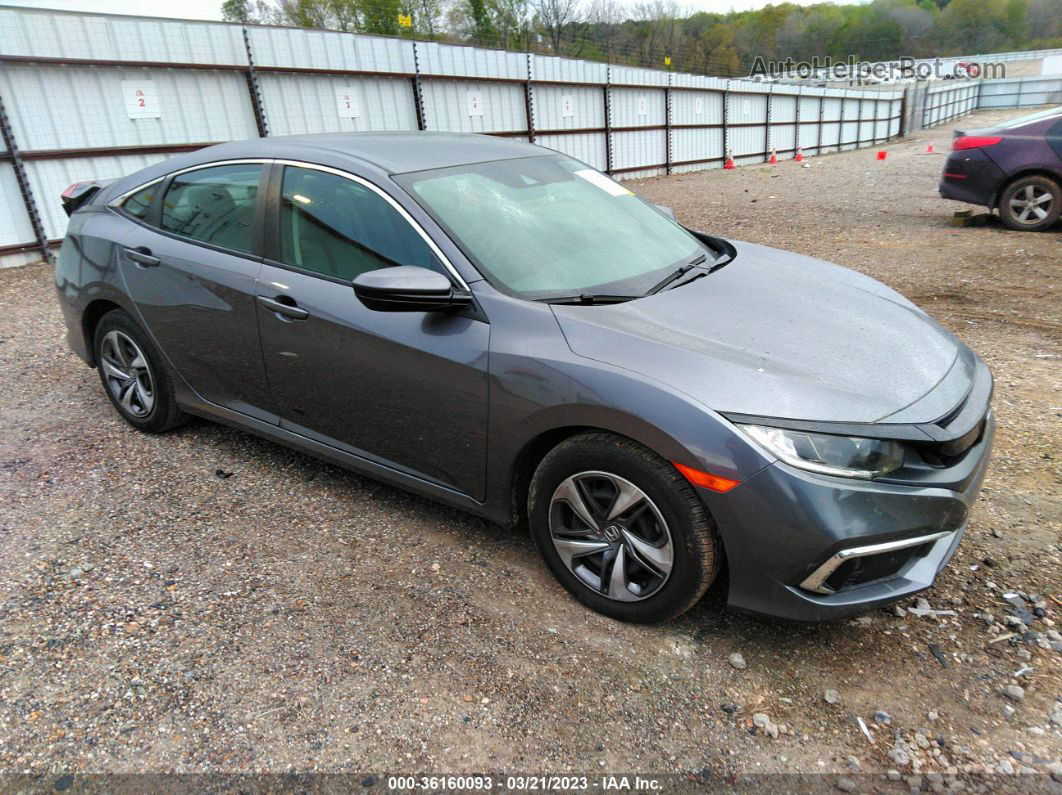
502	328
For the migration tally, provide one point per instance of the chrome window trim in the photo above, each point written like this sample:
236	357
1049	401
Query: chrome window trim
394	204
115	203
815	581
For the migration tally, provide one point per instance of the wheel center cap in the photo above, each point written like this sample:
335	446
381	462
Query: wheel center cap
613	532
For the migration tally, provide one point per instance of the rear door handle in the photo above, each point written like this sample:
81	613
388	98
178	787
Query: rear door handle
288	310
142	256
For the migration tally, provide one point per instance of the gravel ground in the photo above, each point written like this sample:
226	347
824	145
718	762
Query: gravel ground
155	616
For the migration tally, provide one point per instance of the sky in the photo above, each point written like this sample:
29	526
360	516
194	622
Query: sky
211	9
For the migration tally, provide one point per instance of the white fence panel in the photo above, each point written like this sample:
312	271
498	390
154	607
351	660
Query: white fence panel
468	106
51	34
79	107
568	107
301	103
586	147
638	148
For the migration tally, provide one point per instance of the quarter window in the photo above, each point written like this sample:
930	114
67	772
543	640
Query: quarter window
337	227
140	202
214	205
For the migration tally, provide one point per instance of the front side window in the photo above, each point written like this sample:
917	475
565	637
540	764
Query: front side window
214	205
338	227
549	226
140	202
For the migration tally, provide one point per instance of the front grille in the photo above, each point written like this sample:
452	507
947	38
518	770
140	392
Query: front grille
872	568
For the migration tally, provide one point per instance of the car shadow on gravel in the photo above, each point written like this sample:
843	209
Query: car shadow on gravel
235	449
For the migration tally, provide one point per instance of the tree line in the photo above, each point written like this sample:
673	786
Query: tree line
657	33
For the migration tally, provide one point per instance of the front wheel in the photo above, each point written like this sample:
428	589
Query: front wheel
1031	203
621	529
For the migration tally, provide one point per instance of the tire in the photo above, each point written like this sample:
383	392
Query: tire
583	547
1036	199
134	375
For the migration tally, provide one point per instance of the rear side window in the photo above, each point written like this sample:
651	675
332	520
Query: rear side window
337	227
140	202
214	205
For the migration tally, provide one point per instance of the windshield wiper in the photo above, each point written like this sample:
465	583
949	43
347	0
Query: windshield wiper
589	299
677	274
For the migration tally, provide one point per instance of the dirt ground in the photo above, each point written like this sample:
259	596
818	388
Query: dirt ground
155	616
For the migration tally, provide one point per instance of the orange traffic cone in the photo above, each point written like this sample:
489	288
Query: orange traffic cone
799	155
929	149
882	154
729	160
774	157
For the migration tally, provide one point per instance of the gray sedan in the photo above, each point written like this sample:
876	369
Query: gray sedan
505	329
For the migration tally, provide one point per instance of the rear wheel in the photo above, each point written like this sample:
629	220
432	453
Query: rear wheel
621	529
1031	203
133	375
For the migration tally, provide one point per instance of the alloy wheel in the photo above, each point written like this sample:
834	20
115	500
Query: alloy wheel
611	536
127	373
1031	204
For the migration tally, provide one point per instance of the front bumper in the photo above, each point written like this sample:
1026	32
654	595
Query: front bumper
782	526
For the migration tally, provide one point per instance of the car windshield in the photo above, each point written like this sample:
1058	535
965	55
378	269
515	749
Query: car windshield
551	227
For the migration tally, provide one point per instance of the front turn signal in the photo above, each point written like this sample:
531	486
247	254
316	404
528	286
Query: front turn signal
706	479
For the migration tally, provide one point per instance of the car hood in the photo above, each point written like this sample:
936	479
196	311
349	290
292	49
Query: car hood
776	334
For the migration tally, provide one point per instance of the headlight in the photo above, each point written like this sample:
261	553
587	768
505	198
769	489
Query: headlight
846	456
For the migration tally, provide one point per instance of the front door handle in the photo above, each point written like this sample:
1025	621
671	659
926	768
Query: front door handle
283	306
142	256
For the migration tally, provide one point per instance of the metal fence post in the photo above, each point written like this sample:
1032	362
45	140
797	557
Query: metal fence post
253	88
607	96
767	125
822	122
24	188
667	126
418	95
1017	102
529	102
859	121
840	125
796	118
726	121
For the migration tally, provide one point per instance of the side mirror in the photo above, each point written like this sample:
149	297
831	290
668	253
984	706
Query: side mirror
666	211
408	288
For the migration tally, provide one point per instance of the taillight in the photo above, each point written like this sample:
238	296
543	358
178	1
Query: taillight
975	141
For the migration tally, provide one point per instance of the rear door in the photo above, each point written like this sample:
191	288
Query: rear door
190	265
406	389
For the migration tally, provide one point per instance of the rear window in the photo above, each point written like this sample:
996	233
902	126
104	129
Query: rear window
140	202
214	205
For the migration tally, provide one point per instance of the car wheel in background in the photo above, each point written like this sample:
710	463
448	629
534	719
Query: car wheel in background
1031	203
133	375
621	529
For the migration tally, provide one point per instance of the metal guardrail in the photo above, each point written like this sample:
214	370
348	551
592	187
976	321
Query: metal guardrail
943	103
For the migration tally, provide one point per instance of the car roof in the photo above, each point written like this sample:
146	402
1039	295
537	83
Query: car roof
395	152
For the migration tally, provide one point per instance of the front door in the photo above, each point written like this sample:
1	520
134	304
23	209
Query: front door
407	389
